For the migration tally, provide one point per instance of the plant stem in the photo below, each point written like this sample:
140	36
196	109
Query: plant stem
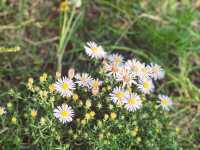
64	38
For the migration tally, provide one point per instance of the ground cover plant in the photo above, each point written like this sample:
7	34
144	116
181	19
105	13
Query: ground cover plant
105	113
43	37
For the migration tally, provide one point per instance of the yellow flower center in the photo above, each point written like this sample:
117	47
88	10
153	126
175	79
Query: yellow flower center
132	101
120	95
95	84
164	102
146	85
117	60
126	78
64	114
94	49
65	86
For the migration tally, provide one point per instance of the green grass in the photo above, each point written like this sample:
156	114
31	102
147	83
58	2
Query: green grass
165	32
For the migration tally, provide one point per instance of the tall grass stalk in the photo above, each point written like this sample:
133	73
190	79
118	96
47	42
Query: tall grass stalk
69	23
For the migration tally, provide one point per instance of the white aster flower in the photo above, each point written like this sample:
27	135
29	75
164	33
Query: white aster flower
118	95
126	77
165	102
95	84
157	72
145	72
146	86
94	51
135	66
64	113
2	110
65	86
84	79
133	102
112	69
116	59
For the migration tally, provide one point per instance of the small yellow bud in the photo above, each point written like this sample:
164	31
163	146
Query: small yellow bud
92	113
178	130
9	105
80	103
52	88
58	75
75	136
71	73
75	97
34	113
101	136
88	104
134	132
106	117
37	88
83	121
14	120
111	107
42	121
45	93
41	93
43	77
99	105
109	87
87	116
139	139
99	123
64	6
157	130
113	116
30	80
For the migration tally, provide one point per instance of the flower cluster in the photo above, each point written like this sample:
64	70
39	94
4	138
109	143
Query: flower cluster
129	81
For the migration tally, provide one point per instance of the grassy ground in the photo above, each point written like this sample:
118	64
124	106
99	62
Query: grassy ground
166	32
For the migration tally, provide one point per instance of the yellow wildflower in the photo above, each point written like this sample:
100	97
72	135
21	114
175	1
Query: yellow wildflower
64	6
